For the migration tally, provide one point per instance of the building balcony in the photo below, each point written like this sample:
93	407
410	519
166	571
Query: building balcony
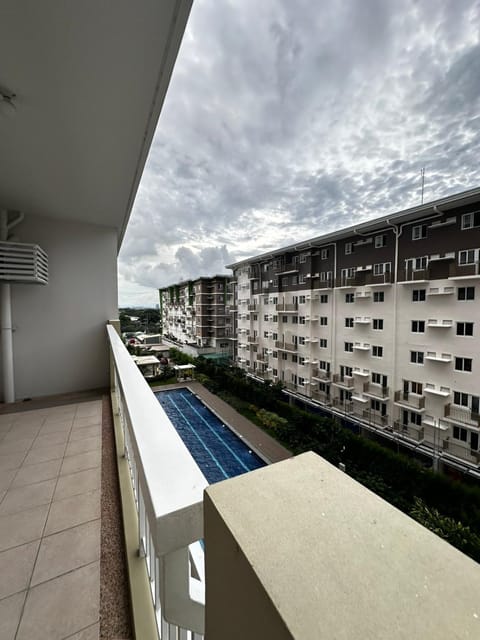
409	400
361	346
286	346
460	451
287	307
321	375
361	373
435	323
252	339
362	320
376	390
463	415
410	431
376	418
414	275
252	307
321	396
442	392
464	272
340	380
435	356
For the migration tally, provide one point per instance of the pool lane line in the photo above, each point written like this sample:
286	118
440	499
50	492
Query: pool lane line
198	437
216	434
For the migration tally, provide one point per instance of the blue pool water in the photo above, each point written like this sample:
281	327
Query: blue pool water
219	453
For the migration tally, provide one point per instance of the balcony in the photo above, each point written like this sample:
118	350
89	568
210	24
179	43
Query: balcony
457	450
414	275
361	373
442	392
286	346
464	272
435	323
410	431
375	390
320	374
252	307
435	356
252	339
287	307
321	396
376	418
409	400
458	414
343	381
362	320
361	346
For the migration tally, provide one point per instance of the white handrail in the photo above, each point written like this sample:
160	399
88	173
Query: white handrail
168	487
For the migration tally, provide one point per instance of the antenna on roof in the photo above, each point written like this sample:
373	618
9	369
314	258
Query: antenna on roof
423	181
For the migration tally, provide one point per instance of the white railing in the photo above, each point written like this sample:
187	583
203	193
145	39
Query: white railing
168	488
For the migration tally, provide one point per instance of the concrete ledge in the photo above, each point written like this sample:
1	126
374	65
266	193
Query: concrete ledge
300	550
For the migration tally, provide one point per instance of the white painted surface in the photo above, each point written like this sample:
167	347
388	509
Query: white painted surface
59	328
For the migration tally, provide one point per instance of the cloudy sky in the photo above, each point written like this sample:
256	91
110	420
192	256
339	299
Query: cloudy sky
286	119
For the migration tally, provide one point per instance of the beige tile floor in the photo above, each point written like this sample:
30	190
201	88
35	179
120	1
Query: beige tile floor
50	523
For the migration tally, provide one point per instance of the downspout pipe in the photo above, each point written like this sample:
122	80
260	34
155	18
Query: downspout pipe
6	328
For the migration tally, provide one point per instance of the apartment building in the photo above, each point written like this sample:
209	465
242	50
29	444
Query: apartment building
378	322
194	316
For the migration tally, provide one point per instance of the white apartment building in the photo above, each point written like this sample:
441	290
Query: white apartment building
194	316
378	322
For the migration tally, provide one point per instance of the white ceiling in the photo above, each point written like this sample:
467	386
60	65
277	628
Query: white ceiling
90	79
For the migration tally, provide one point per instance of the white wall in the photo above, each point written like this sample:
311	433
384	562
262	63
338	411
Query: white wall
60	339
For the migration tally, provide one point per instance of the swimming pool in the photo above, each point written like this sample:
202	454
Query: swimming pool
219	453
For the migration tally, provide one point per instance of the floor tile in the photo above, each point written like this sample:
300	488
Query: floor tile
50	439
32	473
32	495
22	527
6	478
54	427
86	432
83	446
67	550
10	611
82	461
16	567
11	460
20	433
6	419
76	483
89	409
43	454
73	511
62	606
16	446
90	633
80	423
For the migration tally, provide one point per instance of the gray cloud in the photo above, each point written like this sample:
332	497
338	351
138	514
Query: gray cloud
285	120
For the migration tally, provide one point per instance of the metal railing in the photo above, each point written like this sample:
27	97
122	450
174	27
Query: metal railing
168	489
410	431
410	399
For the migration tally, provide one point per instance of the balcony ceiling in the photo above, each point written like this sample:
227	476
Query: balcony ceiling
90	78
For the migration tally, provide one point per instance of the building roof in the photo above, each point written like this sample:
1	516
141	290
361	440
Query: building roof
182	283
399	217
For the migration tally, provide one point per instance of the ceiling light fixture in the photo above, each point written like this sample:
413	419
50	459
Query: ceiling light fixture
7	105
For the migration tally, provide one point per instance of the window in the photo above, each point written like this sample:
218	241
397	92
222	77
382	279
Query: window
275	336
466	293
265	317
378	324
294	358
284	319
377	352
415	387
349	347
285	281
323	321
324	298
323	343
380	241
379	296
324	365
348	248
301	340
470	220
274	300
349	297
294	319
294	279
284	356
468	256
301	360
416	357
303	257
301	320
419	295
417	264
381	268
418	326
301	299
466	400
301	279
348	273
255	316
460	434
349	322
275	372
301	381
265	334
275	282
255	285
325	275
274	318
324	254
463	364
419	232
464	328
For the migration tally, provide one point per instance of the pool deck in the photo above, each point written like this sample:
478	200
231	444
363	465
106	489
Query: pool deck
258	440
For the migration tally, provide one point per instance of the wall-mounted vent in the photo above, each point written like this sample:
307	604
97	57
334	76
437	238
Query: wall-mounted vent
26	263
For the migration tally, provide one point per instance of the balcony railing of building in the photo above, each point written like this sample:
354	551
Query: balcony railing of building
458	413
377	390
376	418
343	380
168	493
321	396
409	399
461	451
287	307
410	431
366	277
285	346
464	270
321	374
414	275
252	339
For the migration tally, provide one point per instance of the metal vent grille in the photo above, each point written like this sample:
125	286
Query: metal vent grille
20	262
